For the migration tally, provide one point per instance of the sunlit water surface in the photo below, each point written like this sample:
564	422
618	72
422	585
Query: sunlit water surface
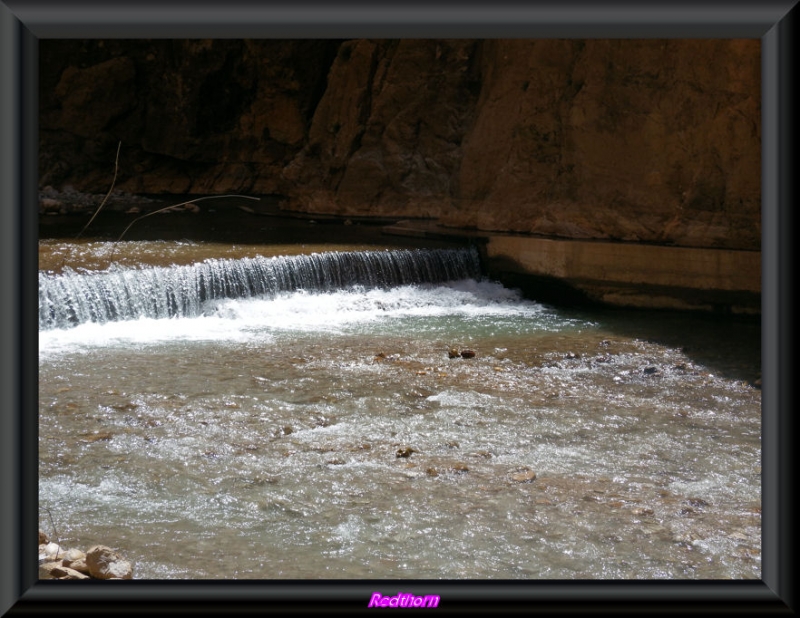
330	435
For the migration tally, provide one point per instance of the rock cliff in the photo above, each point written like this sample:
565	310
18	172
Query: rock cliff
650	141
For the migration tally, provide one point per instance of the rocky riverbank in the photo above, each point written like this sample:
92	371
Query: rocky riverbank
69	201
97	562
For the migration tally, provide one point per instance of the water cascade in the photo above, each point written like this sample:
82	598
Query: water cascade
310	407
72	298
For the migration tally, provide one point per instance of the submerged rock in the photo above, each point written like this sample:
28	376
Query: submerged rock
525	475
459	468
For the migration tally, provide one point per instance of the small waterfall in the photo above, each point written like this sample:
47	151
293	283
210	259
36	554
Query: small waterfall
73	298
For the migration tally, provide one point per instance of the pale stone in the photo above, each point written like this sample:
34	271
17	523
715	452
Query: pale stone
62	572
46	569
73	555
105	563
79	565
53	551
75	559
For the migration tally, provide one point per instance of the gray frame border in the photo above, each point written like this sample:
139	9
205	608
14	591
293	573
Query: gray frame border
22	23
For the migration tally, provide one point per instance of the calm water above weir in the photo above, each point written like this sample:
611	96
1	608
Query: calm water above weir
325	432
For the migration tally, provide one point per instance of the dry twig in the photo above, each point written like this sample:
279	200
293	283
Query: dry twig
105	199
199	199
55	532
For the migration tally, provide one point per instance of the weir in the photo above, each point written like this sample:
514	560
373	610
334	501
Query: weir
72	298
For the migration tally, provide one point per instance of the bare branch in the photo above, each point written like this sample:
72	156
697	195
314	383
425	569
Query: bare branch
199	199
105	199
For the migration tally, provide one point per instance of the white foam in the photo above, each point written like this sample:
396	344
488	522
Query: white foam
248	319
143	331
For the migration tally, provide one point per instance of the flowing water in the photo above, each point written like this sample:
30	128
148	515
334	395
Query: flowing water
215	411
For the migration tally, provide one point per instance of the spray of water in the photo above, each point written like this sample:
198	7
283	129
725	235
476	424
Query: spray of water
72	298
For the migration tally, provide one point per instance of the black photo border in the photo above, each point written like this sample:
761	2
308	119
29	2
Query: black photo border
24	22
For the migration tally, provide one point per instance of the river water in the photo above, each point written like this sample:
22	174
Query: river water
336	431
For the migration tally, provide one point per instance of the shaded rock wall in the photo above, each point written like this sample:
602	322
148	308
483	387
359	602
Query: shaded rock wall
193	116
654	141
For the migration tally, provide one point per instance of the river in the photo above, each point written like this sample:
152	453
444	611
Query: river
412	425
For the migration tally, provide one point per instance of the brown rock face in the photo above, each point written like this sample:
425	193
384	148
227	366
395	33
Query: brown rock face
386	136
654	141
86	110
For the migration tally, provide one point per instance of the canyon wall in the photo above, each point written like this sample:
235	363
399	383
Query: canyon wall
648	141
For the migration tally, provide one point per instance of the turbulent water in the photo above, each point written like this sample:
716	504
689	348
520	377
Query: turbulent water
185	291
329	427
